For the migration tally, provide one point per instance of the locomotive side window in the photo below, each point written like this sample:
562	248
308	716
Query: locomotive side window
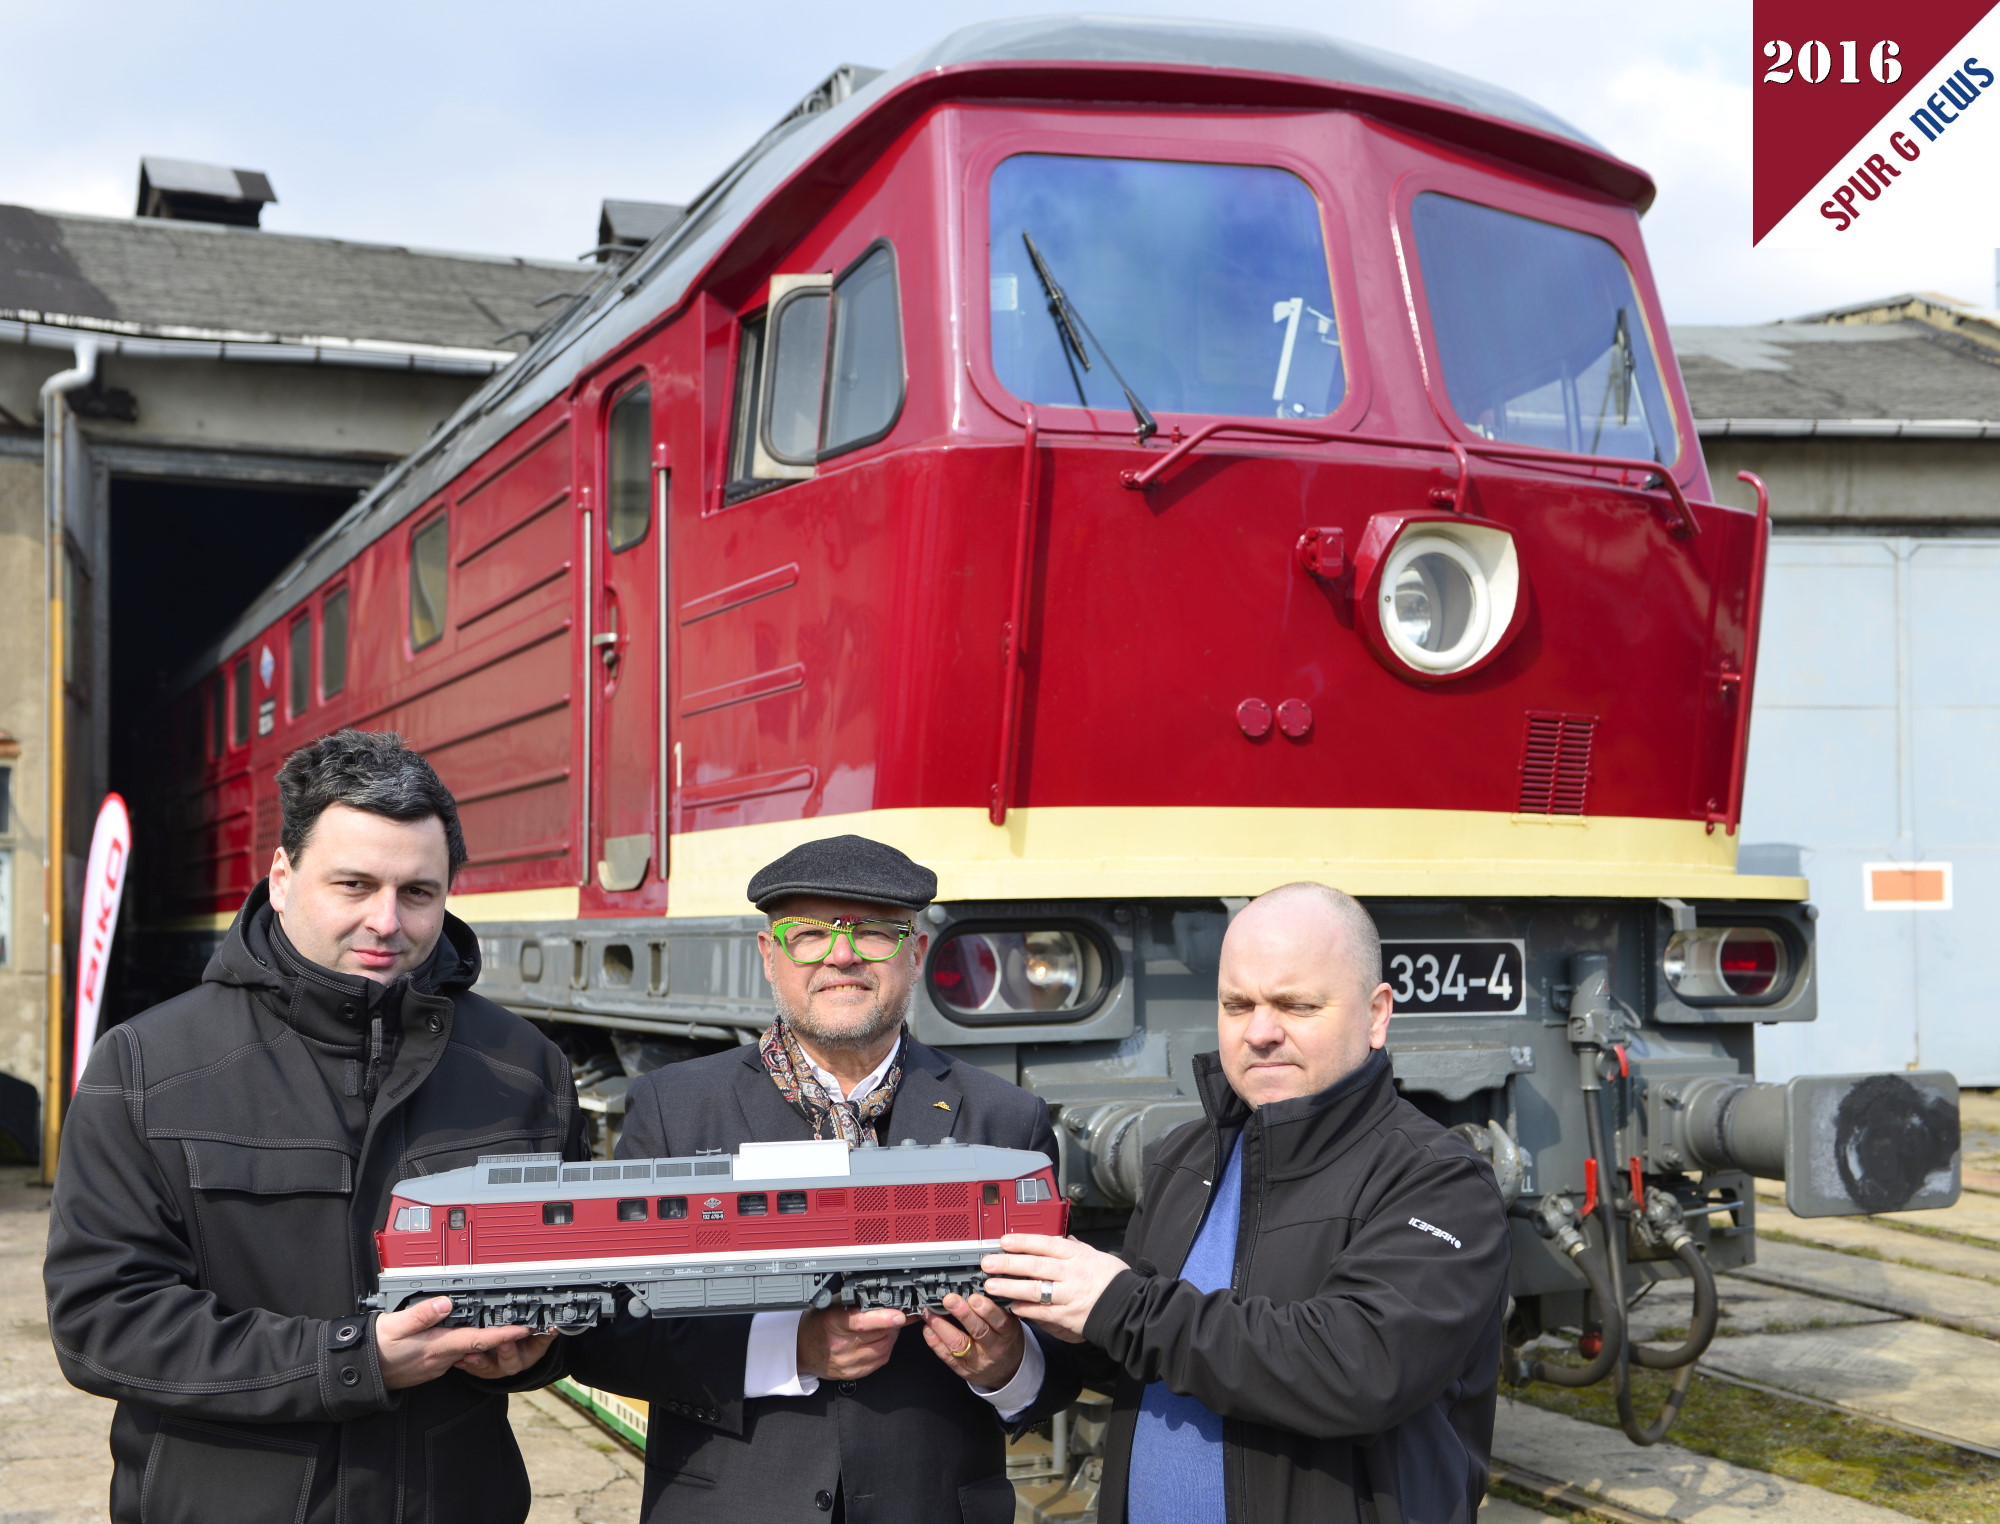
239	714
298	670
864	381
455	1219
791	1203
673	1208
628	465
1540	333
749	389
218	715
795	376
1206	285
427	579
558	1214
1031	1190
333	644
989	1195
632	1211
753	1204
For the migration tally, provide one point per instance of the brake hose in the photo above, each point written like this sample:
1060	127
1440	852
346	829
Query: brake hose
1701	1327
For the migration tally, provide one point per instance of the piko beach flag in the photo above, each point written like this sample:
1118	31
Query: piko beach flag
103	888
1873	123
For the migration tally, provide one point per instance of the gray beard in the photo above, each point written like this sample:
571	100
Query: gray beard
881	1021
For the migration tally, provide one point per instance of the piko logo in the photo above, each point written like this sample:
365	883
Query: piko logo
1418	1222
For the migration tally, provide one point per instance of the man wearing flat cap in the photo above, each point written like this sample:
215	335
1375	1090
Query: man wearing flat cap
792	1418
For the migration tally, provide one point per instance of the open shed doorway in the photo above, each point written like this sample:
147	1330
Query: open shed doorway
186	559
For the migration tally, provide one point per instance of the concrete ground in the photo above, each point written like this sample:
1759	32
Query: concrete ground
56	1469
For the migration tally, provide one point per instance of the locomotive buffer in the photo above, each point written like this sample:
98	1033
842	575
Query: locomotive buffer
530	1239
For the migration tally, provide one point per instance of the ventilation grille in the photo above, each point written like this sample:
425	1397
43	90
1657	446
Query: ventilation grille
912	1198
1555	764
953	1225
871	1198
871	1230
833	1201
711	1238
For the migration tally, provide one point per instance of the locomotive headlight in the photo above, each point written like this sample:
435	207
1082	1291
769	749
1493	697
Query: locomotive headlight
1006	974
1731	964
1446	595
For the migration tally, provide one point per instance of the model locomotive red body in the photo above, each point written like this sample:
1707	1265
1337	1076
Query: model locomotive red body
530	1239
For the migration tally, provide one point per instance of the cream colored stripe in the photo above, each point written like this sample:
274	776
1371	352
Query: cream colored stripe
516	905
1087	853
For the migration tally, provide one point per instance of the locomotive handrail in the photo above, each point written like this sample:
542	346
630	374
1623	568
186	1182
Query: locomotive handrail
1680	522
1013	632
1144	481
1753	619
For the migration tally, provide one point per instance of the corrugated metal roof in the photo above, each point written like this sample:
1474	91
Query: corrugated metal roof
170	278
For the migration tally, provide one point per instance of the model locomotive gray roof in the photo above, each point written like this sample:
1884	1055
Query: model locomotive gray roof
692	1175
657	280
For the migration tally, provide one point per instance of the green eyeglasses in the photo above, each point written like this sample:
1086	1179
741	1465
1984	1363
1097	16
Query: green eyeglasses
812	941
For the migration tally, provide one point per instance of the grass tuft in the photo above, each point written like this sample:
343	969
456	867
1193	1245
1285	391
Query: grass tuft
1804	1443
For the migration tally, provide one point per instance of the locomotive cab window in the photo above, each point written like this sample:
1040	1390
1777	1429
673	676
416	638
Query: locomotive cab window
1540	333
632	1211
673	1208
753	1204
791	1203
455	1219
558	1214
989	1194
427	582
628	452
818	372
1205	285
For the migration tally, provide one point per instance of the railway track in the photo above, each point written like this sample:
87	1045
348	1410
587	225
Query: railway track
1893	1320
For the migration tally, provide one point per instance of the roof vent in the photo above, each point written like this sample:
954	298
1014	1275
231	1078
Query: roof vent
625	226
180	190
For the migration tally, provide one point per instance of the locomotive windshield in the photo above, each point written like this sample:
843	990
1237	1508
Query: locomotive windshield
1540	332
1204	285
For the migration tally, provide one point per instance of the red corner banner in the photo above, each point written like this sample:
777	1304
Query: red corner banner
1872	123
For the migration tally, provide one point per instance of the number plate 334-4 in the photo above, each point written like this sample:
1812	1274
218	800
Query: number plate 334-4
1456	978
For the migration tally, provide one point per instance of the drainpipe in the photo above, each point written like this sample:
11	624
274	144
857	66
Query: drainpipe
55	494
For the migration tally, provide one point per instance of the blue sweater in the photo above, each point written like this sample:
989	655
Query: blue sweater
1176	1475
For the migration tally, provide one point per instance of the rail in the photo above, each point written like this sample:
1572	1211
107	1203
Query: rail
1013	632
1680	517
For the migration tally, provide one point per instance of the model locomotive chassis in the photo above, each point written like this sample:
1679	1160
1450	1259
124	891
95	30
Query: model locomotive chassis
580	1297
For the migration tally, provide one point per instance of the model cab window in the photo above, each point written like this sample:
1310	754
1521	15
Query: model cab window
427	582
333	643
819	372
298	667
1540	333
1205	285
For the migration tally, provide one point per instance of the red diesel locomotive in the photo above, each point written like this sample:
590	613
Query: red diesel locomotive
530	1239
1128	465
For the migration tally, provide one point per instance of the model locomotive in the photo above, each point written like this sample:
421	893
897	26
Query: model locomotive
530	1239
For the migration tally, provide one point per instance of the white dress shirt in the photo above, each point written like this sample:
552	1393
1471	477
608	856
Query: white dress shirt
771	1365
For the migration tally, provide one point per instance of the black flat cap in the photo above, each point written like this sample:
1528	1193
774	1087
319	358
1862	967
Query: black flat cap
845	868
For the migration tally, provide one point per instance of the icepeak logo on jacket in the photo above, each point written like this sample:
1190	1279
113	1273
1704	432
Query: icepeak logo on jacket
1435	1232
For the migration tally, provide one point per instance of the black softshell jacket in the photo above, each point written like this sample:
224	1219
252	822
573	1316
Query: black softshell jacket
224	1167
1355	1359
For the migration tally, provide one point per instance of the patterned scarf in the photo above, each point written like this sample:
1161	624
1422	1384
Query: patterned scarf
831	1116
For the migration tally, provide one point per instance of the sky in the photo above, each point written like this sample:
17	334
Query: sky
498	126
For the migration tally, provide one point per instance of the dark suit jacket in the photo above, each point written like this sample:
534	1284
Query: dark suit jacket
911	1444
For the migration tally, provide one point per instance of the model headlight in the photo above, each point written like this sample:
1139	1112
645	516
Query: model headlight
1447	594
1727	963
989	974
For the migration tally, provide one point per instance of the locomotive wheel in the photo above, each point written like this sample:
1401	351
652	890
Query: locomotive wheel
638	1307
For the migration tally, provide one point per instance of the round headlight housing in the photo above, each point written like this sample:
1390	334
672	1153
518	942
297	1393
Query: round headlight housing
1446	595
1007	974
1735	965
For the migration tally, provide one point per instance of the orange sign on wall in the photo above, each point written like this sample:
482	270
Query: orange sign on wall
1906	886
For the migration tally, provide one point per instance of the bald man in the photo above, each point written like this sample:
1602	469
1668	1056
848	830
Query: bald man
1305	1323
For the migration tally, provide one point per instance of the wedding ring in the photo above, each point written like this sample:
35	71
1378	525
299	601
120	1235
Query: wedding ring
961	1353
1048	1293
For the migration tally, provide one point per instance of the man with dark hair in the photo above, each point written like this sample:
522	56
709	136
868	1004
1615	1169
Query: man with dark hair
1305	1322
231	1152
785	1417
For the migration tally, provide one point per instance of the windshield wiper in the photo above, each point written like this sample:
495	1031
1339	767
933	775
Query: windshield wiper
1620	376
1072	330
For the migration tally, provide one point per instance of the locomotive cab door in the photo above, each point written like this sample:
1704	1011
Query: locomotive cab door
625	546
